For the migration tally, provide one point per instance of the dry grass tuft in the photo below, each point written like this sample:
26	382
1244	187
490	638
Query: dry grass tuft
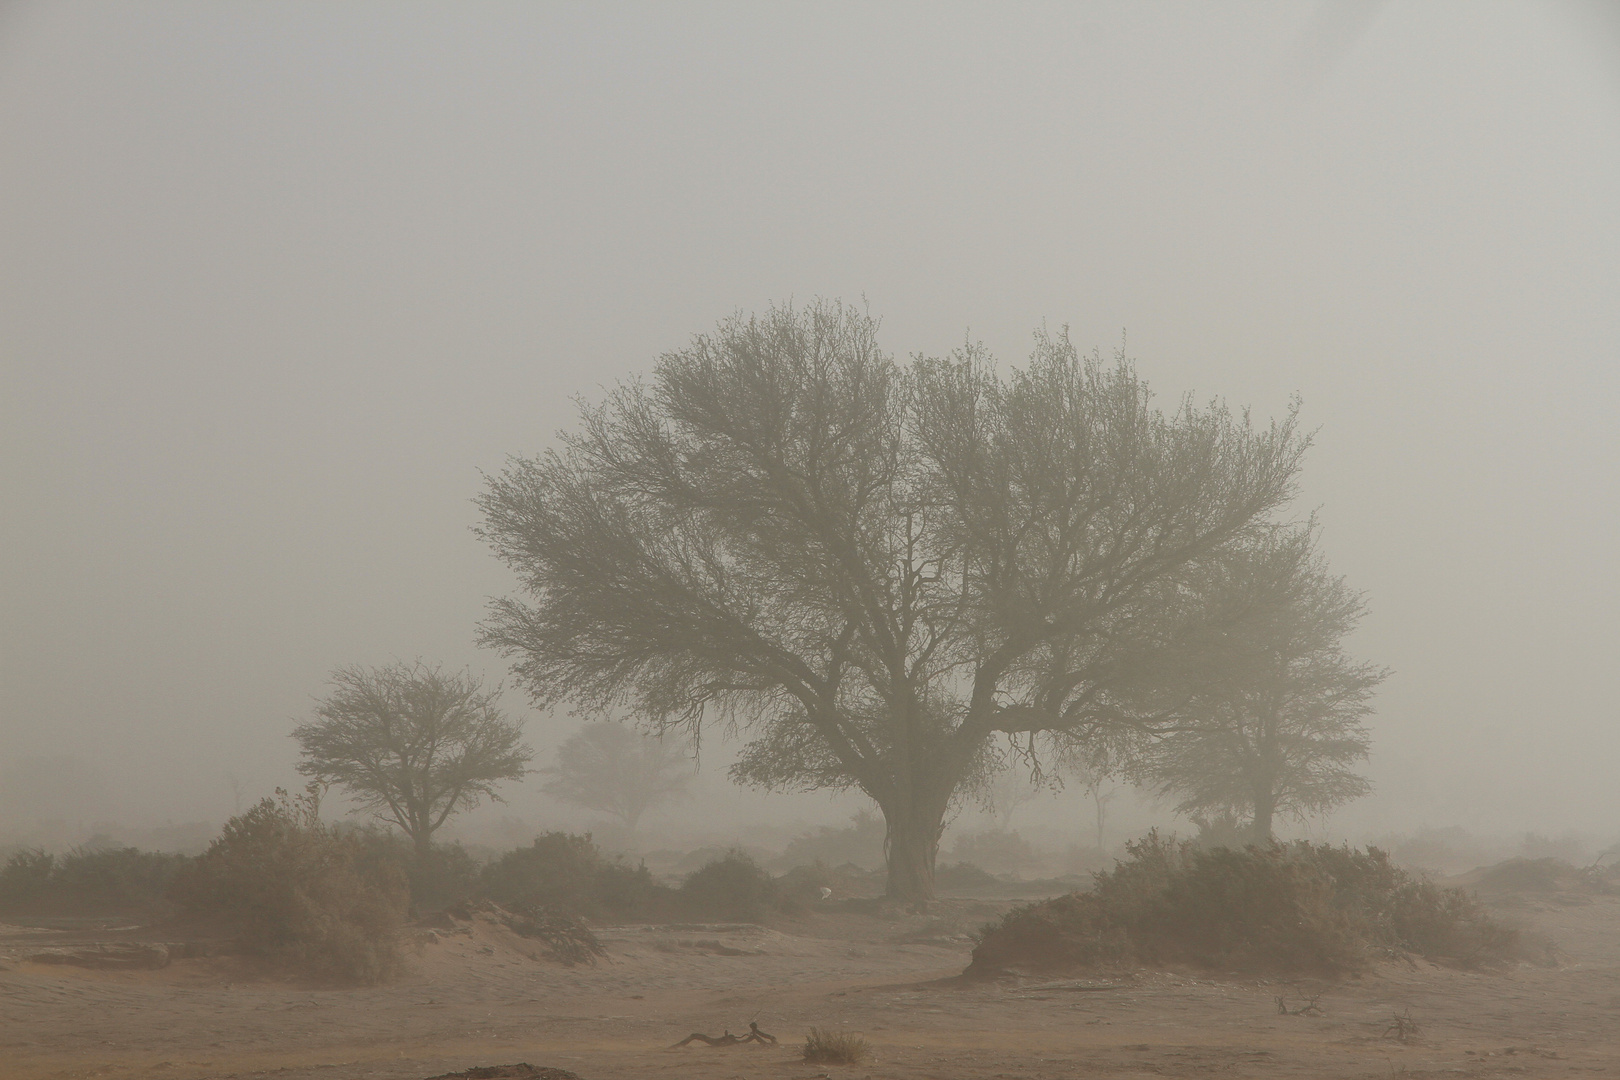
825	1047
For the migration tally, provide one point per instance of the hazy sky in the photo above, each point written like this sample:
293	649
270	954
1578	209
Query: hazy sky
278	280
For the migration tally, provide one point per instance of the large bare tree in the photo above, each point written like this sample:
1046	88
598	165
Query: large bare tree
412	744
1275	727
871	569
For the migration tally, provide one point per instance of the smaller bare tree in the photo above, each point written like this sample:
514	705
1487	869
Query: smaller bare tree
1277	728
1011	788
611	768
1101	791
412	744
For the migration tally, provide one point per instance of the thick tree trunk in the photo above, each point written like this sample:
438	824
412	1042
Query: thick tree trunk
415	824
1265	807
910	847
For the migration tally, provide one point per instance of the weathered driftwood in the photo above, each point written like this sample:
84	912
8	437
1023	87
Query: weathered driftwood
728	1039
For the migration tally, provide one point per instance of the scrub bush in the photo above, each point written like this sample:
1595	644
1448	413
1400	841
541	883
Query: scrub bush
1285	908
734	888
299	892
567	874
88	881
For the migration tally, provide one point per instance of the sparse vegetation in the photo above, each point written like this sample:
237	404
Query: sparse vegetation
88	881
1289	908
999	851
733	887
567	873
440	876
966	876
826	1047
566	937
859	843
299	892
443	875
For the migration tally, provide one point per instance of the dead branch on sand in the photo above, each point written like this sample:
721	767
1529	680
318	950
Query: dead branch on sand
1310	1008
728	1039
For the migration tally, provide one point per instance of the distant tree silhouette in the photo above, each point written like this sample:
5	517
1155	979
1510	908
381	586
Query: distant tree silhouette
1011	788
1276	727
614	769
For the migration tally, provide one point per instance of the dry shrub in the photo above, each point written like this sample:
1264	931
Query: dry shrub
557	872
859	843
966	877
1447	923
824	1047
566	937
88	881
803	884
999	851
1284	908
1521	875
567	874
441	876
25	880
299	892
734	888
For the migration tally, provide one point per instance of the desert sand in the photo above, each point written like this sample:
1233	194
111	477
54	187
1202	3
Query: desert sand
477	995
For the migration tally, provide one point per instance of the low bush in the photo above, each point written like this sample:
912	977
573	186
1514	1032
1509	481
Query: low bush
823	1047
299	892
567	874
1223	830
558	871
806	882
733	887
860	843
88	881
967	877
1521	875
566	937
444	875
803	884
630	892
999	851
1286	908
25	880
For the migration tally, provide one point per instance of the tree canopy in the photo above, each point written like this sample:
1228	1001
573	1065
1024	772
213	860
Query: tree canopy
871	569
412	744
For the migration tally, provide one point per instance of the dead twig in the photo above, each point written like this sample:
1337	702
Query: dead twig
1310	1008
1401	1026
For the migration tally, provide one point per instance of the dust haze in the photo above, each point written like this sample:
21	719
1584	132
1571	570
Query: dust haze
279	283
287	290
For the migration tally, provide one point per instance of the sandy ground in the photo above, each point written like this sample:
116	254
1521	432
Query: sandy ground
478	996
